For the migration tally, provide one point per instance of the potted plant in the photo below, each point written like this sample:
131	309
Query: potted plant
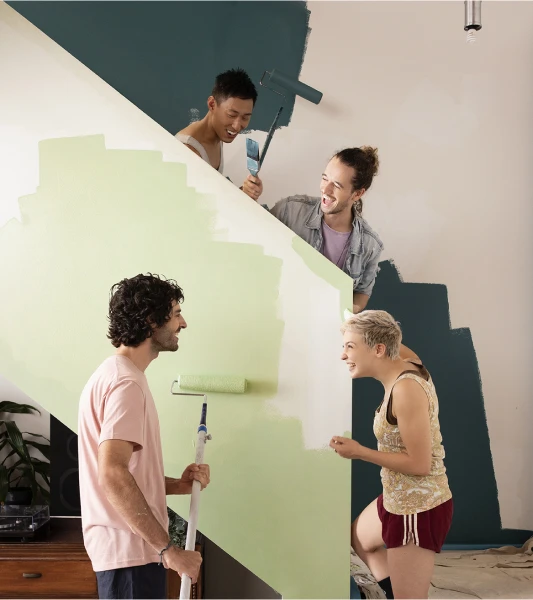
177	528
19	470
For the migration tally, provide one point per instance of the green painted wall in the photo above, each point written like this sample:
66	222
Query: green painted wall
100	215
164	56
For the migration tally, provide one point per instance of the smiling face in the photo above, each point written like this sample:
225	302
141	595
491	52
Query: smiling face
165	338
371	341
336	188
230	117
360	358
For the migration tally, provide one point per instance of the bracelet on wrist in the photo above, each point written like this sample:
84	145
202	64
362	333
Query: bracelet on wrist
162	551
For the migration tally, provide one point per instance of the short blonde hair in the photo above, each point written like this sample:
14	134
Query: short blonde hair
376	327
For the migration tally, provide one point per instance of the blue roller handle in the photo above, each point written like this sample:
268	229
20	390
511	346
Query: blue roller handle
203	420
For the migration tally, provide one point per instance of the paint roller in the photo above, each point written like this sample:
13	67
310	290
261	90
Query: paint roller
209	383
254	161
225	385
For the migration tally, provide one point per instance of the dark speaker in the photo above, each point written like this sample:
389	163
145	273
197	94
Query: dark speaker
64	480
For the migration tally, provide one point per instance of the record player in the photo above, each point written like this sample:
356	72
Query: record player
23	522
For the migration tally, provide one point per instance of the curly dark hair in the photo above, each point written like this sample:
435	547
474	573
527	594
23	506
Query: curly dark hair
234	83
137	303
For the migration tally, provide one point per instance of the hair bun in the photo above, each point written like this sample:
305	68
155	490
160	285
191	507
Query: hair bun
372	157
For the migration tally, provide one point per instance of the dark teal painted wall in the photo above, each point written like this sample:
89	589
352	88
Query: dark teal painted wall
164	56
423	311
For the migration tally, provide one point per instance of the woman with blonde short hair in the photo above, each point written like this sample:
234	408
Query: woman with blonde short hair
398	534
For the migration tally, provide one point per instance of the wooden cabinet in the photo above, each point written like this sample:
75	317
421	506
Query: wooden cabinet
57	566
51	566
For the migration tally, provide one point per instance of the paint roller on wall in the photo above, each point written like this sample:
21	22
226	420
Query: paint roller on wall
288	84
205	383
211	383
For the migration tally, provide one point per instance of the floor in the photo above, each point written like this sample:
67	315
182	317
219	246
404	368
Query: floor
505	572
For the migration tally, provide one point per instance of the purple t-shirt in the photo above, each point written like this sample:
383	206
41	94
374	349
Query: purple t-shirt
336	245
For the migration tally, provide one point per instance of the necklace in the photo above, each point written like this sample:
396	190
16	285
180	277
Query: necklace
337	262
346	245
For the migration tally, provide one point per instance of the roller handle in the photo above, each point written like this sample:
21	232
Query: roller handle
185	590
190	543
269	137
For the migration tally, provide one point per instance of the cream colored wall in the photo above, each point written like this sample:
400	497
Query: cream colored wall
452	203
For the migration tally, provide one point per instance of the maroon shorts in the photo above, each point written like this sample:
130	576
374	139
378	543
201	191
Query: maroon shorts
426	529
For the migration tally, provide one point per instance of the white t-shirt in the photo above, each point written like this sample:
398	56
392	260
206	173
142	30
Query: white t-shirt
190	141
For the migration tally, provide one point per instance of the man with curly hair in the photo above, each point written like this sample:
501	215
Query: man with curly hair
122	483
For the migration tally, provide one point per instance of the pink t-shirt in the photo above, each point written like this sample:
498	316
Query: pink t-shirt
116	404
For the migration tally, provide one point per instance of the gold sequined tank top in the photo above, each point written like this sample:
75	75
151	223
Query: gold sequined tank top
410	494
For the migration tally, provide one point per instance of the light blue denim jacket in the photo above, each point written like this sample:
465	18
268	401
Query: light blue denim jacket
303	215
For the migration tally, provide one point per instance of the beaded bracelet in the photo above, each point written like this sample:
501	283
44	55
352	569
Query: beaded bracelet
161	553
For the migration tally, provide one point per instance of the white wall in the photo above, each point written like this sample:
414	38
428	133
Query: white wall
452	203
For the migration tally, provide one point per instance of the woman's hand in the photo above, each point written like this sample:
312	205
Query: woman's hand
346	447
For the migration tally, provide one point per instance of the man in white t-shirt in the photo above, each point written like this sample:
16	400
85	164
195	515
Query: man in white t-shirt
123	487
229	110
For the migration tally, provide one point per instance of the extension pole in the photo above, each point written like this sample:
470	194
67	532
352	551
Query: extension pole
185	591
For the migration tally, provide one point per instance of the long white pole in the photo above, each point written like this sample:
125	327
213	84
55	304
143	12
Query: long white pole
185	591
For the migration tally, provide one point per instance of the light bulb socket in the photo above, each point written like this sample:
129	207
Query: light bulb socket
472	15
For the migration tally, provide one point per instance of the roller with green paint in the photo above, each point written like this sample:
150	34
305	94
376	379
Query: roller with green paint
212	383
288	84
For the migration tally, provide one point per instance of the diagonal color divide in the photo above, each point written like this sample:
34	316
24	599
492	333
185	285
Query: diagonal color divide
99	215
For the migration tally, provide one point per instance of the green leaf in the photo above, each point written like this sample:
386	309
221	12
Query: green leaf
8	456
15	407
43	468
18	444
4	483
46	479
34	490
25	472
35	435
28	473
16	440
43	448
45	494
19	469
26	467
29	470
